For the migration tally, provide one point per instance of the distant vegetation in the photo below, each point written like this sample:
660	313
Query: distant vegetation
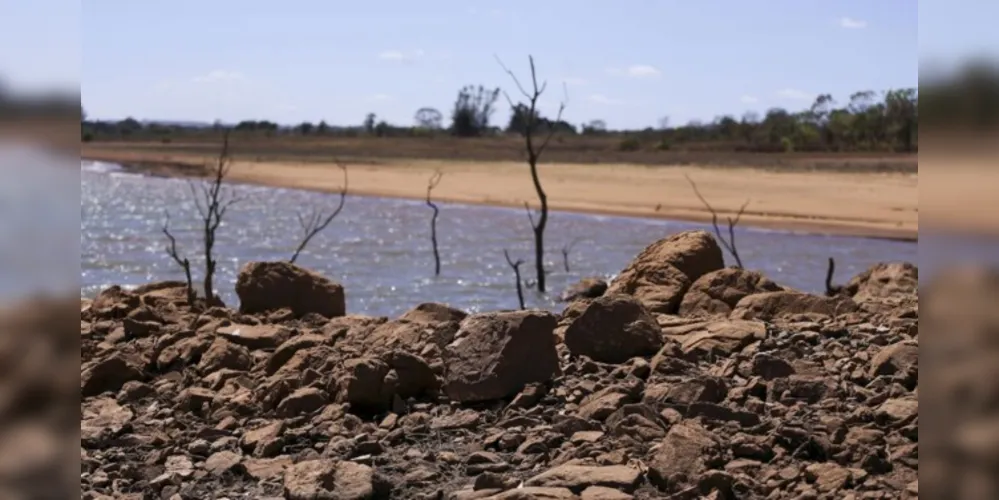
867	121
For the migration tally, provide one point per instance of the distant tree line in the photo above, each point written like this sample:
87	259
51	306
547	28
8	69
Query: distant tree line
866	121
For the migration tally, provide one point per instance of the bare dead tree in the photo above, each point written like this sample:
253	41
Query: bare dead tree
565	253
212	202
318	219
534	151
831	289
183	262
516	273
729	244
435	179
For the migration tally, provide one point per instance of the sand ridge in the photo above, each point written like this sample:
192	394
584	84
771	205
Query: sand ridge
861	204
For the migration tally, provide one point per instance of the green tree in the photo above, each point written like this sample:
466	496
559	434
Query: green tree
472	111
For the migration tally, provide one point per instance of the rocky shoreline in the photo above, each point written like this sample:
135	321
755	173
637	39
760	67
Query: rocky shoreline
681	379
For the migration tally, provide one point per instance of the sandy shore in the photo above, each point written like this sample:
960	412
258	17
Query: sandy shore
862	204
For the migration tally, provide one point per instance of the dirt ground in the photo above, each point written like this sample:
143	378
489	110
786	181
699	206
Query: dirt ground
862	204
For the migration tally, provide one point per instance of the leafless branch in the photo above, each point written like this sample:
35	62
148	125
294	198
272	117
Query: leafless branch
729	244
183	262
831	289
530	215
516	273
317	219
534	152
565	253
435	179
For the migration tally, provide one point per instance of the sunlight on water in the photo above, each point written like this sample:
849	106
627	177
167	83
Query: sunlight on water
380	248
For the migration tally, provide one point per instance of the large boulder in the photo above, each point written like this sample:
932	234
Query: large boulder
586	288
661	274
494	355
884	279
269	286
716	293
715	337
781	305
614	329
884	286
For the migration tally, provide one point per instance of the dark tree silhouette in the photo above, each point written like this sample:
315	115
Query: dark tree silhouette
515	265
534	151
183	262
434	181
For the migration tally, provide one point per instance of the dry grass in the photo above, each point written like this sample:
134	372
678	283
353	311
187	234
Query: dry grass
575	150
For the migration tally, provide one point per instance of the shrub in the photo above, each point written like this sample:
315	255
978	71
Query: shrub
629	144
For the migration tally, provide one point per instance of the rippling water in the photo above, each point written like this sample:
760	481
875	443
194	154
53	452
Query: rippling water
380	249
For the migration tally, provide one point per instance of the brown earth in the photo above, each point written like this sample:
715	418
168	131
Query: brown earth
805	193
789	395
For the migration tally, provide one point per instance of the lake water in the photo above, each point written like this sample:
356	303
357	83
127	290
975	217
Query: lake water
380	248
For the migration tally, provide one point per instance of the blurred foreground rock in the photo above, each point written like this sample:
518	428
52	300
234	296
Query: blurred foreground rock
685	380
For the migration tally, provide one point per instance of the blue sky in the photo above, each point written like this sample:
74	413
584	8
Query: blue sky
628	62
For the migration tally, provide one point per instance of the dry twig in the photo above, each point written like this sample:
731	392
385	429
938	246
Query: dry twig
435	179
317	220
516	272
729	244
183	262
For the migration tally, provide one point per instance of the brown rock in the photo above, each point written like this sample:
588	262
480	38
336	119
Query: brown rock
828	476
263	469
302	401
223	462
883	280
223	354
613	329
255	336
269	286
586	288
601	404
900	359
494	355
579	477
534	493
718	338
604	493
415	376
769	367
365	387
661	273
432	312
288	349
776	305
331	480
107	374
256	440
102	417
716	293
682	456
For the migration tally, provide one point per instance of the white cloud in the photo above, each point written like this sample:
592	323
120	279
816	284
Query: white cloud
851	23
219	75
380	97
574	81
794	94
635	71
642	70
392	55
398	55
602	99
749	99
